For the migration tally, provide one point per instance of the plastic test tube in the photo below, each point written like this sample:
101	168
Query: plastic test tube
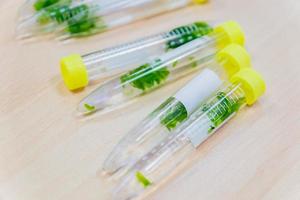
168	67
245	88
175	109
30	7
87	18
112	61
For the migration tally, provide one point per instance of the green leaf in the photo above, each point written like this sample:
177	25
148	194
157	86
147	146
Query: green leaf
89	108
221	109
142	179
193	61
41	4
188	33
79	19
64	13
144	77
174	115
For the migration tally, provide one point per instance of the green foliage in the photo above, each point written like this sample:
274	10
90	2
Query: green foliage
41	4
221	109
188	33
64	13
144	77
193	61
142	179
89	108
174	115
79	19
81	26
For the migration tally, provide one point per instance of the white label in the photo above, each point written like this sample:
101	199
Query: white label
198	89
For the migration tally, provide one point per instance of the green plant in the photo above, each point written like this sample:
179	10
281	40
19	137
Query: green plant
145	77
193	61
175	114
89	107
79	19
41	4
221	109
80	26
188	33
64	13
142	179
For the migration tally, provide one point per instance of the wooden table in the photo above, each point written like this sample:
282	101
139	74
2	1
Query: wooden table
48	153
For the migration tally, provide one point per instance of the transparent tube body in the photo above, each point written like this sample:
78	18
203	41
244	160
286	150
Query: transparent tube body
83	19
166	68
160	123
158	163
149	132
30	7
115	60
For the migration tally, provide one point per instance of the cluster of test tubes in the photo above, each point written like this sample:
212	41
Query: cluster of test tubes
168	59
66	19
244	88
224	82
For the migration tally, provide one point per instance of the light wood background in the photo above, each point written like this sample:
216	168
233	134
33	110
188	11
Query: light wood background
47	153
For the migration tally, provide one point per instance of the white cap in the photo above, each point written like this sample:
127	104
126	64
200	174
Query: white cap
198	89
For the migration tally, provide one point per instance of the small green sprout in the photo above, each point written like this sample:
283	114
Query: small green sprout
174	115
41	4
89	108
220	110
142	179
188	33
79	19
144	77
175	63
193	61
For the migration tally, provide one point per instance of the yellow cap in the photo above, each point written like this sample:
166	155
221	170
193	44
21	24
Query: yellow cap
200	1
231	32
74	72
235	58
252	84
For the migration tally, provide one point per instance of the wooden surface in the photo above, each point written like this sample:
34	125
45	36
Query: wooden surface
47	153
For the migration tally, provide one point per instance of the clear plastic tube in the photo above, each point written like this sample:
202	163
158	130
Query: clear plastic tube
175	110
159	71
83	19
162	121
30	7
158	163
155	73
112	61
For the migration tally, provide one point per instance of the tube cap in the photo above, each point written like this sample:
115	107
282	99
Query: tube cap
74	72
232	32
235	58
252	82
200	1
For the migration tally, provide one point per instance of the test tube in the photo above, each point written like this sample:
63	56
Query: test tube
157	72
115	60
175	110
88	18
245	88
30	7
